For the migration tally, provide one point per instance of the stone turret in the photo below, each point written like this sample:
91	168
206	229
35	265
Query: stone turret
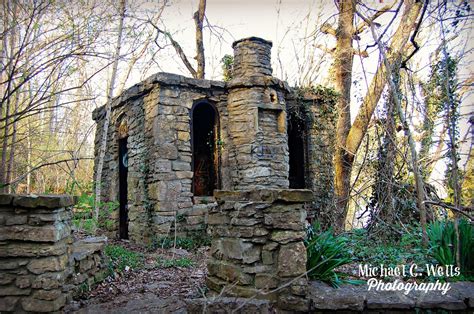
257	119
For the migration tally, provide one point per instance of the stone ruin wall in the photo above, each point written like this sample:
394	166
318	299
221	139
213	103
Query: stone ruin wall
157	114
257	119
257	246
320	137
41	267
252	114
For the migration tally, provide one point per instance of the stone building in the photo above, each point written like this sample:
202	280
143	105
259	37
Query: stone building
173	140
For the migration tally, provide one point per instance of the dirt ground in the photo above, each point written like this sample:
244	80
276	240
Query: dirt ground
150	282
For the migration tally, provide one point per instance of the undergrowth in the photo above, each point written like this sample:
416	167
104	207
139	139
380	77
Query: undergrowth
178	262
121	257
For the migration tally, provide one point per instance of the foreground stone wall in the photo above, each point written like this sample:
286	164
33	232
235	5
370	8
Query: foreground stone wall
35	238
257	246
41	267
88	265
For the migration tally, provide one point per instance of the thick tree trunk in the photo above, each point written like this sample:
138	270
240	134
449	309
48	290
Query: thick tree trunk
349	142
419	184
343	80
108	109
198	19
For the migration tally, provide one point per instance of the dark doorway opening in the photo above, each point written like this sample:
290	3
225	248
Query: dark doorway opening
296	147
123	188
205	133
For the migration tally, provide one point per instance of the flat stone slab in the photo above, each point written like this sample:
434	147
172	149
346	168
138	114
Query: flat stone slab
37	201
358	298
88	246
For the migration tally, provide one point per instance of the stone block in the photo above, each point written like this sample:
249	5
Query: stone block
244	221
6	199
163	166
5	278
292	260
184	136
181	166
347	297
51	233
218	219
31	249
34	305
8	304
23	282
283	236
266	281
13	290
228	272
294	220
194	220
45	201
85	265
167	151
237	249
267	257
16	220
8	264
47	264
184	174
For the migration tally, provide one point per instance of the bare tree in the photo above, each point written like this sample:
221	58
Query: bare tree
199	16
350	136
108	109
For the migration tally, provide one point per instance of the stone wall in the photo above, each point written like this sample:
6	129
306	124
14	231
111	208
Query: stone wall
35	238
40	266
320	137
257	246
88	264
156	118
258	152
157	113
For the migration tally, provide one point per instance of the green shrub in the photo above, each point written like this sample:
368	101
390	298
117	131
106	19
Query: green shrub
326	252
443	244
121	257
372	250
83	218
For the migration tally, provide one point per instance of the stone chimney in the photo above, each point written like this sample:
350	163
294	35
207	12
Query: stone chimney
257	119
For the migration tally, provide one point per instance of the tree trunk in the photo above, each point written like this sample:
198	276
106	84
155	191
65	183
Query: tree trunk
108	109
198	19
7	44
343	80
419	184
11	158
349	143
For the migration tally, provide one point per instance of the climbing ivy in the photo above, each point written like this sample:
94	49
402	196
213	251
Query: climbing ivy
227	67
323	97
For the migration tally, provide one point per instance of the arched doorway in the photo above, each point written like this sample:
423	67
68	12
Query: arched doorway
296	147
204	137
123	177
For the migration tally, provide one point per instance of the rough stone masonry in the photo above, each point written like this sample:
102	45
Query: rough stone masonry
40	266
174	140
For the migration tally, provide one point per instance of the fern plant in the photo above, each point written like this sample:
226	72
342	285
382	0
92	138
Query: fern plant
443	244
325	252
